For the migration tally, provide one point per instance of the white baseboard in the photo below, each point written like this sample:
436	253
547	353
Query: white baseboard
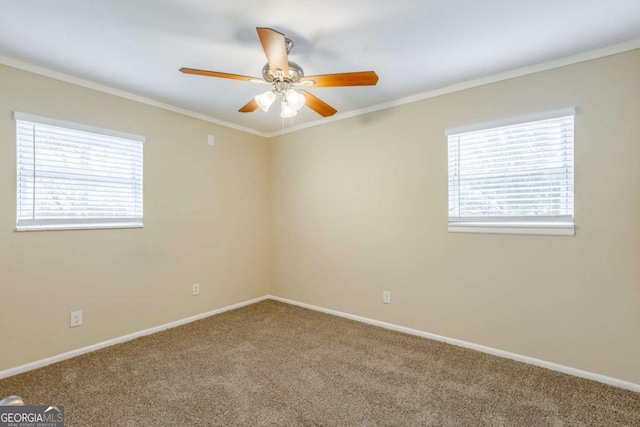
73	353
489	350
496	352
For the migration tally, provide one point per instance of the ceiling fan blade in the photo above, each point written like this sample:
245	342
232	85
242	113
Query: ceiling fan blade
275	49
358	78
218	74
318	105
249	107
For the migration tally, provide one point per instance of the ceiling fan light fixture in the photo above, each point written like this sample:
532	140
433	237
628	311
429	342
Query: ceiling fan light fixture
284	75
295	99
265	99
287	111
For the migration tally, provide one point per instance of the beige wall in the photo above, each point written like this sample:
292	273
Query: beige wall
334	215
360	206
205	222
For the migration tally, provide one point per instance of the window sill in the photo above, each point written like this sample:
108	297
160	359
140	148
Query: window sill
542	229
61	227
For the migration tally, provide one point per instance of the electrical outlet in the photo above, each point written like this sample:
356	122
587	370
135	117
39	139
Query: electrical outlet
386	297
196	289
211	139
76	319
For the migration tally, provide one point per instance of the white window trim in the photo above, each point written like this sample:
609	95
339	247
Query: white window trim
81	224
76	126
560	227
67	224
553	226
569	111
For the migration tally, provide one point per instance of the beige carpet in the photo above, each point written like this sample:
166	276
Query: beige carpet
272	364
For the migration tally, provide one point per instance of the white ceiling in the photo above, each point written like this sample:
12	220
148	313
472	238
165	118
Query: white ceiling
414	46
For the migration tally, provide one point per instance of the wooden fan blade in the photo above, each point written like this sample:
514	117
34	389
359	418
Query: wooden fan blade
318	105
275	49
249	107
359	78
217	74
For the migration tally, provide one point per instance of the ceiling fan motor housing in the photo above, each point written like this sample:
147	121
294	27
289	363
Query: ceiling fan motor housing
295	73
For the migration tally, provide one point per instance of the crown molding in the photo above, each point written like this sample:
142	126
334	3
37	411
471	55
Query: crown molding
67	78
469	84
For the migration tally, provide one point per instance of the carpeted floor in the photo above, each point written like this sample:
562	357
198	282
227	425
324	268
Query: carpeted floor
272	364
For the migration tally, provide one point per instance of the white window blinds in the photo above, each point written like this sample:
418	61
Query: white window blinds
74	176
518	175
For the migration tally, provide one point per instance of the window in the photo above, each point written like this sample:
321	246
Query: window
513	177
74	176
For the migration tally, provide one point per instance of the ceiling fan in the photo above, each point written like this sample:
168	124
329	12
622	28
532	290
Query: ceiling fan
285	75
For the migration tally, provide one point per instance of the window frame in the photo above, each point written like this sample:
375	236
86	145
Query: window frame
76	223
560	225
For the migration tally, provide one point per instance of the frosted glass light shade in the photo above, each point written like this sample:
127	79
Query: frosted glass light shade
287	111
265	100
295	99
